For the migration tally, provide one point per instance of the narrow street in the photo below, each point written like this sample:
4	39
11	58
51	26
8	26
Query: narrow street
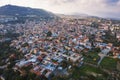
103	54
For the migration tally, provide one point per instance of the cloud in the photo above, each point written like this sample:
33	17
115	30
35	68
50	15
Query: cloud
111	1
104	8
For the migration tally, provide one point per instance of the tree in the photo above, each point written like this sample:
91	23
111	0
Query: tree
49	34
95	25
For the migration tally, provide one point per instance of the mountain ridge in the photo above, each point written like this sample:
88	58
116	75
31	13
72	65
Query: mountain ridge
13	10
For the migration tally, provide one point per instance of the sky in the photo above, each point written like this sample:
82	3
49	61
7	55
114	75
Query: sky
101	8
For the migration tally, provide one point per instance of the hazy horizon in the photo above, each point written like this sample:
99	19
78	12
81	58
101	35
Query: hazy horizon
101	8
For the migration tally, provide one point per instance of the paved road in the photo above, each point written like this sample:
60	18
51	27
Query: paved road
102	54
101	57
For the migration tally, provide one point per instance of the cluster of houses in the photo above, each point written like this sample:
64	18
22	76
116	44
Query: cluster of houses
4	19
45	48
46	45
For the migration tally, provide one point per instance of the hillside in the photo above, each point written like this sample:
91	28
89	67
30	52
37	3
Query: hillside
11	10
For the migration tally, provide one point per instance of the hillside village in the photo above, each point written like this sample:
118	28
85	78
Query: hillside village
54	46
